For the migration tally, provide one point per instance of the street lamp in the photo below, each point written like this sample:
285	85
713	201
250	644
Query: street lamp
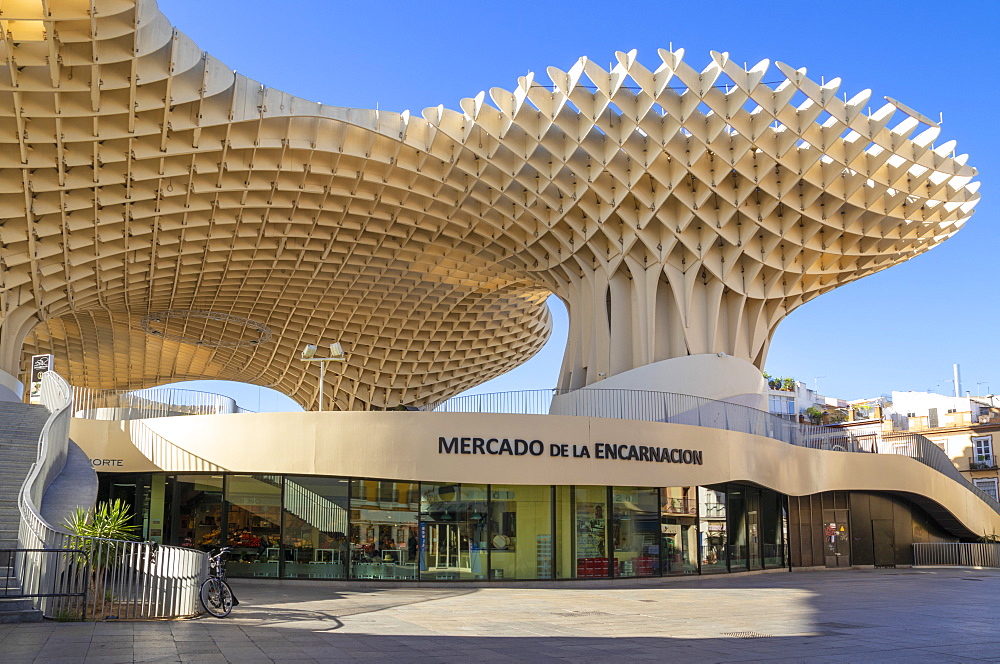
336	355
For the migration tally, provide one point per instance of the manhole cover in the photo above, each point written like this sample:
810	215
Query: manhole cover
748	635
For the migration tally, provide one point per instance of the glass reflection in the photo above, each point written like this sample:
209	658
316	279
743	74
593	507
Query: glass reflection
712	525
253	524
679	530
453	531
591	531
635	531
384	534
736	527
194	515
315	513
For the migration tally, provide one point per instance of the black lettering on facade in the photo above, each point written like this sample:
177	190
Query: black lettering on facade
446	447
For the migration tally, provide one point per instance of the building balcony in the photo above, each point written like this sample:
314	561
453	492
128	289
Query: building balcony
984	462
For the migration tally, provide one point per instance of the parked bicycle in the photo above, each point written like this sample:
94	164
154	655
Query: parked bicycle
216	595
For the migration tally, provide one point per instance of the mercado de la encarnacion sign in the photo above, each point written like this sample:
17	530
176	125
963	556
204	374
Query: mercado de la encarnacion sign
609	451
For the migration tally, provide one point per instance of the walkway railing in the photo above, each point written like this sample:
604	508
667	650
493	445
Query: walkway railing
658	407
122	579
150	402
962	554
698	411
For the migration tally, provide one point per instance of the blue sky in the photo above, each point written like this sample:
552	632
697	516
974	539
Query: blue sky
901	329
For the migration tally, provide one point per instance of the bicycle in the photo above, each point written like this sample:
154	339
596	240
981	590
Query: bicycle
216	595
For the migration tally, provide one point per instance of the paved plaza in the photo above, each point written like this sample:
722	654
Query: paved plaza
904	615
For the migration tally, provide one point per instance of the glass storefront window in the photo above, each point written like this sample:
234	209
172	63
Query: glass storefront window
591	508
308	527
384	537
754	541
712	526
736	511
453	531
565	533
679	530
194	511
253	525
315	517
771	532
635	531
133	489
520	532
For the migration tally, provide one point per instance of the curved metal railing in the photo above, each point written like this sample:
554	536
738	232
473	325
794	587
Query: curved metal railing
149	402
674	408
121	579
652	406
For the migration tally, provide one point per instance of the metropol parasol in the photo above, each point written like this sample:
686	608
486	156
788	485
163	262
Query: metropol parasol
165	218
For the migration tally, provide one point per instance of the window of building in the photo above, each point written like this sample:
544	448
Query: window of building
384	537
635	531
712	528
982	451
520	536
253	525
988	486
679	528
316	515
454	531
781	405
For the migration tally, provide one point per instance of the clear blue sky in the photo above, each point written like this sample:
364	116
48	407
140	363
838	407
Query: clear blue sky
901	329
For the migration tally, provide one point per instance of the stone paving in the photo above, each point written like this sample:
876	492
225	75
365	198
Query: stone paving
905	615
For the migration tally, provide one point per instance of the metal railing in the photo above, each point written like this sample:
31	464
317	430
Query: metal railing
657	407
982	462
122	579
674	408
66	589
149	402
961	554
921	449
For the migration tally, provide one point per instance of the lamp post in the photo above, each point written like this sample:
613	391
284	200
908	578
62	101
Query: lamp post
336	355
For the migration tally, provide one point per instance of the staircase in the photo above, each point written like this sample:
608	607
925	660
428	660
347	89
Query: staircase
20	426
13	610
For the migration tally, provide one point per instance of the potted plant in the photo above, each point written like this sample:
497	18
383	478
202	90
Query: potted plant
101	533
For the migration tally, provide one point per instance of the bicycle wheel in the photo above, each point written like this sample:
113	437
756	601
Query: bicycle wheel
216	597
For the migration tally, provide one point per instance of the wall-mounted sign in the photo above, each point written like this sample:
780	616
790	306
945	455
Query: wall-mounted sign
603	451
39	365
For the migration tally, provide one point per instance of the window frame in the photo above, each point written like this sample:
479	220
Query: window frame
982	483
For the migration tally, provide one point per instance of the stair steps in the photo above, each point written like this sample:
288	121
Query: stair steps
20	426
